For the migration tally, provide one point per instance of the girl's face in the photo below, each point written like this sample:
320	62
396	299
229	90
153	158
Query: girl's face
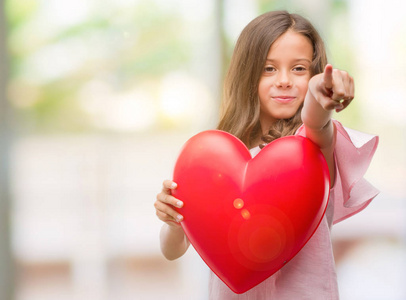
285	77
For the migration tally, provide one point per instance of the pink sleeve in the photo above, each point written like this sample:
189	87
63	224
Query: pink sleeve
353	154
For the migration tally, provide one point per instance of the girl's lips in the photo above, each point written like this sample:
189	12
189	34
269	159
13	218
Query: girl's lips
283	99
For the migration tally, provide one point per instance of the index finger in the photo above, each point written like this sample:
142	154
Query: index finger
168	185
328	76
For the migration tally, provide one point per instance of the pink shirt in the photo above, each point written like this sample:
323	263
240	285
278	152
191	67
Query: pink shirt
311	273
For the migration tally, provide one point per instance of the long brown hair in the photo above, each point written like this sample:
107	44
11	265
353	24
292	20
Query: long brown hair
240	108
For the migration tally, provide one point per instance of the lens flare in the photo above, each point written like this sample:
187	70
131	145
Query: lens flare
245	214
238	203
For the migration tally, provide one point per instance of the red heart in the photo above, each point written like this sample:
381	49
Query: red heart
247	217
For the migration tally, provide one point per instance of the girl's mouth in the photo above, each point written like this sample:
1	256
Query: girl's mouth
283	99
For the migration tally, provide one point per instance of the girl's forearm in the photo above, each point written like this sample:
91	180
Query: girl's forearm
314	116
174	242
317	122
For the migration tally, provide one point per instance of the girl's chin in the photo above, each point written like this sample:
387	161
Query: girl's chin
284	116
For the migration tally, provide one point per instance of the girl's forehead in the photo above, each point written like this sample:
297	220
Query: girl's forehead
291	43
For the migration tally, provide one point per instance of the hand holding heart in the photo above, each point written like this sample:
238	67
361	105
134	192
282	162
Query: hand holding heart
333	89
165	204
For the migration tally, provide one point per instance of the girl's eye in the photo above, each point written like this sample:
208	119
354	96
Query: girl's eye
269	69
299	69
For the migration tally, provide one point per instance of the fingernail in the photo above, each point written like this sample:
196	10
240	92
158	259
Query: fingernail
179	204
173	185
179	218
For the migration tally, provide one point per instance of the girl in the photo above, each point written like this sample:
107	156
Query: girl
278	84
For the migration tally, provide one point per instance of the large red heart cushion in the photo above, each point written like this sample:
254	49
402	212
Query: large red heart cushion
247	217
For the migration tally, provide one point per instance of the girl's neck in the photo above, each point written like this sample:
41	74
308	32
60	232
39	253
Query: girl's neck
266	123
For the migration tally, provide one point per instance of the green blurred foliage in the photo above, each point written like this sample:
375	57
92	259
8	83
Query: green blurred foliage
19	11
130	46
270	5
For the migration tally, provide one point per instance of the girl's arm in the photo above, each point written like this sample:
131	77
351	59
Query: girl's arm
328	91
173	240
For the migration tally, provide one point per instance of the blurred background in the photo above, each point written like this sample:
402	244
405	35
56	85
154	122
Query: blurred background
98	97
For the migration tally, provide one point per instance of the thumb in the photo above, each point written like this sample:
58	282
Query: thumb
328	77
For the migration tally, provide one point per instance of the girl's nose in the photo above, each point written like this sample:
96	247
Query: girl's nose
283	80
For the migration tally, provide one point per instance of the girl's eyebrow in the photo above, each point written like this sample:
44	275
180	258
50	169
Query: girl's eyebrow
295	60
